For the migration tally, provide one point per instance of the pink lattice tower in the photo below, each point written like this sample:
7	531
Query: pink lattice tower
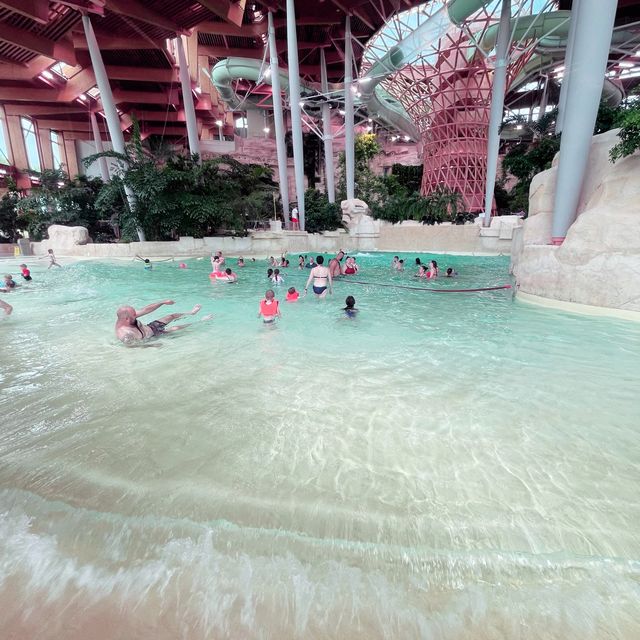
446	91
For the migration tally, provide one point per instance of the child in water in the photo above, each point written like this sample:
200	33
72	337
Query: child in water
52	259
147	263
269	308
26	274
269	273
350	310
451	273
292	294
276	278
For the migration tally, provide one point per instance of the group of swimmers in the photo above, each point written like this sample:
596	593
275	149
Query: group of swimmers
10	284
427	271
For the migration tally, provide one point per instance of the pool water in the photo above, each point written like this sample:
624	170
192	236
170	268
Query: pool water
455	466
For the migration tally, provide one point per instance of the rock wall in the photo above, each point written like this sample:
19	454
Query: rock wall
599	261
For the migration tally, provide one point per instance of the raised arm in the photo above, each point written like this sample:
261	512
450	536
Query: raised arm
150	308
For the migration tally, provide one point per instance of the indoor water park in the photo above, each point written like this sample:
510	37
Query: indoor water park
319	320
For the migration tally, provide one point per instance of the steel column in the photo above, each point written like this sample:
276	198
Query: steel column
97	138
187	100
327	135
108	105
294	105
349	134
589	64
497	107
568	62
278	122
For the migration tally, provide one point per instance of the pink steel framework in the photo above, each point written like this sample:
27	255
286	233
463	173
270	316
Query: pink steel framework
446	91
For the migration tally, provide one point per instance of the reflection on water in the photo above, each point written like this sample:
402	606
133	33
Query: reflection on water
446	466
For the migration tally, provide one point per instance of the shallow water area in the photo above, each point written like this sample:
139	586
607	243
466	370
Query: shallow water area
446	465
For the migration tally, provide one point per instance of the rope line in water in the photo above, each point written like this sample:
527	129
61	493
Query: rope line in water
403	286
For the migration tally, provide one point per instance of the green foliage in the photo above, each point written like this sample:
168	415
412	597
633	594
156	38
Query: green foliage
629	135
366	147
320	214
10	223
408	176
442	205
176	195
56	199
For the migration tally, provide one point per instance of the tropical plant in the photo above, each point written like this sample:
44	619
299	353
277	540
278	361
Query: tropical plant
320	214
629	135
10	223
56	199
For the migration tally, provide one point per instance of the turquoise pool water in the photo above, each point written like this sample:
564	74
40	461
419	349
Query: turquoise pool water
454	466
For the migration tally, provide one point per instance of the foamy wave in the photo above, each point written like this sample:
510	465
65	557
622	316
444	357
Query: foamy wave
62	569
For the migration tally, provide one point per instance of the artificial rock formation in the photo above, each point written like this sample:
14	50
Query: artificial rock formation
599	261
62	238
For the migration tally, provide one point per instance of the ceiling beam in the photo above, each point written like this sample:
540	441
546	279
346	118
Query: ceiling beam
37	10
36	110
113	42
56	50
158	116
27	94
351	11
230	12
146	97
141	74
78	84
257	29
138	11
224	52
64	125
25	72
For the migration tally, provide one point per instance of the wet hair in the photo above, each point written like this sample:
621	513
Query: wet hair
300	256
49	250
215	259
228	271
291	290
286	263
276	272
147	261
319	259
269	273
269	294
435	264
350	302
395	257
401	261
418	261
449	271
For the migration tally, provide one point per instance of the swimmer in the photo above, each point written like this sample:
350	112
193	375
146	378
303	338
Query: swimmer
350	310
335	268
147	263
182	265
283	260
269	308
240	262
400	265
350	267
272	261
451	273
9	283
276	278
52	259
231	276
216	265
433	269
129	330
322	280
311	264
422	271
418	263
6	307
292	294
301	262
269	273
26	274
394	262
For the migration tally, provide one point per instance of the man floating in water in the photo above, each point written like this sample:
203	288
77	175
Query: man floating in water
129	330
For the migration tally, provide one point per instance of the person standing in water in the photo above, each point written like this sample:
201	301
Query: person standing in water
52	259
322	280
130	330
269	308
335	268
350	310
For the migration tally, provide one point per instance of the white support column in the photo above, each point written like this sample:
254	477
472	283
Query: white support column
294	105
349	134
108	105
278	123
97	138
589	64
327	135
497	107
187	100
568	62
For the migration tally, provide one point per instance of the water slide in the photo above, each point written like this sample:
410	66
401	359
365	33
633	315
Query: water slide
550	28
